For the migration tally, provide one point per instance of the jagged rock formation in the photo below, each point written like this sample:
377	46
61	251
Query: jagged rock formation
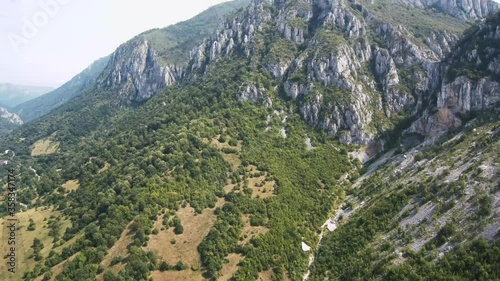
142	67
470	81
250	92
346	70
238	32
351	71
10	117
8	121
136	72
390	72
458	8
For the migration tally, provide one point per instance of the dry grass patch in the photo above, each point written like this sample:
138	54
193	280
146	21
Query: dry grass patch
265	275
261	190
25	238
220	202
230	187
57	269
196	227
230	268
250	231
264	192
252	169
185	275
119	249
231	158
105	168
44	147
69	242
219	145
71	185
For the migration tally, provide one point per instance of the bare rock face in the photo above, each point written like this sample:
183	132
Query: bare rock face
292	23
385	68
235	33
343	64
349	72
250	92
455	101
462	9
470	82
463	96
340	16
11	117
296	89
441	42
136	72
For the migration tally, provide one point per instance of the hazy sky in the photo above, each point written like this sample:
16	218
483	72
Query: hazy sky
47	42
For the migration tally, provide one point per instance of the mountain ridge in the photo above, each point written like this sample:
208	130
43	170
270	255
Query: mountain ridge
11	95
41	105
264	136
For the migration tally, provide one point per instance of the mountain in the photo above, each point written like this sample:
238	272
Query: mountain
12	95
41	105
154	49
470	81
302	140
142	67
351	32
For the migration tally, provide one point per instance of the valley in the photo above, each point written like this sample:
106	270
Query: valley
290	140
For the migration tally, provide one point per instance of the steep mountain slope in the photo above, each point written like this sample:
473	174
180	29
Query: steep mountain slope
41	105
429	212
142	67
8	121
353	69
155	48
12	95
470	83
232	170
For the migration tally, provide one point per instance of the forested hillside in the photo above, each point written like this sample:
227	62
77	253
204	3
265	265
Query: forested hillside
42	105
302	140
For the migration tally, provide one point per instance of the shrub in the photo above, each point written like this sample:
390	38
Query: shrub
179	229
164	266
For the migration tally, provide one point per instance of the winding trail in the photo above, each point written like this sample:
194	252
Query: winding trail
324	227
34	171
331	224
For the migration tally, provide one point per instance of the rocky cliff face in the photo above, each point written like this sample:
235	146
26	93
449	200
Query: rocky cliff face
10	117
237	33
250	92
142	67
348	65
136	73
333	66
463	9
470	81
349	70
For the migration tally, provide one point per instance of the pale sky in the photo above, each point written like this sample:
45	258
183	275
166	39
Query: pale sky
46	45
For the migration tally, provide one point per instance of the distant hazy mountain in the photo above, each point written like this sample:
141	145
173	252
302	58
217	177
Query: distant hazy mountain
43	104
12	95
302	140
